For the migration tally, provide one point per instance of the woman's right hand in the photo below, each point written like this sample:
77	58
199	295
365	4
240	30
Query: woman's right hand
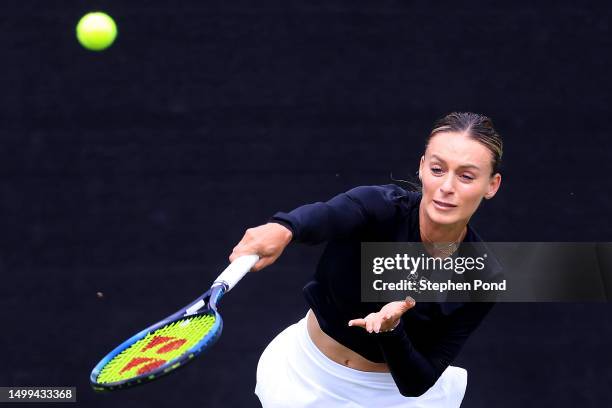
268	241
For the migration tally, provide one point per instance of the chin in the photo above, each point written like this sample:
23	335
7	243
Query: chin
441	218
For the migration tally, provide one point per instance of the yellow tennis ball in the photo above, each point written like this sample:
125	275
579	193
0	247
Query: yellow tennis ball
96	31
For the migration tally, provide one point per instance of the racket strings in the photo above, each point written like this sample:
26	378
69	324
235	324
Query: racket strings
157	348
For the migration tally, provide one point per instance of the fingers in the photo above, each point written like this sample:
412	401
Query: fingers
369	324
357	323
237	254
238	251
262	263
248	246
258	266
381	322
409	303
402	306
268	241
377	324
387	319
373	322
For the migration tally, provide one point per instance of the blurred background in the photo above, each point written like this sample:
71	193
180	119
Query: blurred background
133	172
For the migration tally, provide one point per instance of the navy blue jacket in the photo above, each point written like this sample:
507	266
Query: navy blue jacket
430	335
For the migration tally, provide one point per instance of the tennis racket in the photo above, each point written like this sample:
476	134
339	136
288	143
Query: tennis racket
172	342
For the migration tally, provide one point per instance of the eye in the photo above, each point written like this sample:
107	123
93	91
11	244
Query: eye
468	177
436	170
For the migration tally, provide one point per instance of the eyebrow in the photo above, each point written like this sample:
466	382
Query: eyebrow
469	165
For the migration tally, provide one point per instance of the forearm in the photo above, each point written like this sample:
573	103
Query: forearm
318	222
414	370
339	217
413	373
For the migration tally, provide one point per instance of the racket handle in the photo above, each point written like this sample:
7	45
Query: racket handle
236	271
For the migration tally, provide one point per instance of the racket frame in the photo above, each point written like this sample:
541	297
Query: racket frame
206	342
205	304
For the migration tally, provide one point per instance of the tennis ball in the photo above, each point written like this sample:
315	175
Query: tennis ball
96	31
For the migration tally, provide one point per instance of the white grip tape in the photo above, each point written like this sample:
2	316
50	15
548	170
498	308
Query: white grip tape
236	270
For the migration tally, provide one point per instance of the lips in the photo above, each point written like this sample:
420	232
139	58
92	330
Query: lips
443	204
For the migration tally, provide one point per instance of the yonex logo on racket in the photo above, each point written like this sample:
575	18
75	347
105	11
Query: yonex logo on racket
170	343
149	364
158	345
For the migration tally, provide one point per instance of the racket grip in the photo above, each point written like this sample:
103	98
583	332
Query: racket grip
236	271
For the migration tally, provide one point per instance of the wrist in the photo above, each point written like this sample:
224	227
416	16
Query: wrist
393	332
392	328
284	230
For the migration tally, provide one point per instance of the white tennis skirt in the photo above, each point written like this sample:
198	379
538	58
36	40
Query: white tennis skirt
293	372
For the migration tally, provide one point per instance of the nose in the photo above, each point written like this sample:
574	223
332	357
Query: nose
447	185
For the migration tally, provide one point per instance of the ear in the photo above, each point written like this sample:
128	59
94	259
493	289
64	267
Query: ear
421	166
494	184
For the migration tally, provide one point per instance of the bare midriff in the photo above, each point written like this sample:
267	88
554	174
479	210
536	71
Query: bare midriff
339	353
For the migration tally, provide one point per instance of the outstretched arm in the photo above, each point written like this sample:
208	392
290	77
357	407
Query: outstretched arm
317	222
415	371
342	215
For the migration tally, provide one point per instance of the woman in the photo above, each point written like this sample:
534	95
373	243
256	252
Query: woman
349	353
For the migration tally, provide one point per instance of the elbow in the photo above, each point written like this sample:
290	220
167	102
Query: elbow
414	390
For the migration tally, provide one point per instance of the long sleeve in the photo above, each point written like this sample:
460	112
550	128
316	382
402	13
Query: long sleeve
340	216
415	371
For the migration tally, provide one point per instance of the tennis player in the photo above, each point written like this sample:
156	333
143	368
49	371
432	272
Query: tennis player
349	353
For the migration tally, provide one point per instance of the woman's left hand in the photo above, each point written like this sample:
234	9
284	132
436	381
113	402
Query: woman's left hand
386	319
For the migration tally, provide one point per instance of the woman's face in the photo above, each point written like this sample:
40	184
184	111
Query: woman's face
455	170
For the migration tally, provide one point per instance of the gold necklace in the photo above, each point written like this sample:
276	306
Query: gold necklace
445	249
